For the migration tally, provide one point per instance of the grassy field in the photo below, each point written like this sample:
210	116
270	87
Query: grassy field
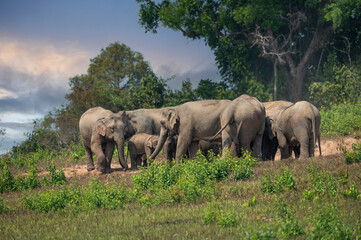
315	198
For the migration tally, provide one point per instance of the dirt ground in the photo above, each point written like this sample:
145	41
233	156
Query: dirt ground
329	147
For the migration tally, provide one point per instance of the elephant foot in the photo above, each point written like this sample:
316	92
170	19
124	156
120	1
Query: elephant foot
90	168
102	170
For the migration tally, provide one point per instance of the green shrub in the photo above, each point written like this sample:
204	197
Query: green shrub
354	155
351	192
327	225
2	205
289	225
56	177
341	119
96	195
189	180
271	183
7	182
323	184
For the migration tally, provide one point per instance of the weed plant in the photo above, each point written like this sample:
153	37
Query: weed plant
354	155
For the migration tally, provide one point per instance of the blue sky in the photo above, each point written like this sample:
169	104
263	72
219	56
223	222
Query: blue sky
45	42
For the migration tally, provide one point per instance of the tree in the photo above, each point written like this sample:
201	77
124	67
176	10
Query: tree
178	97
110	75
287	34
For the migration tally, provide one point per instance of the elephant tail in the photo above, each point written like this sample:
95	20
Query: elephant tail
212	139
313	122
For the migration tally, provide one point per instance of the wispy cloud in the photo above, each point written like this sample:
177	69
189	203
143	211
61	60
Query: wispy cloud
34	77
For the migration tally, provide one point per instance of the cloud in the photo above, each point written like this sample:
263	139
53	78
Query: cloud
194	74
42	59
34	77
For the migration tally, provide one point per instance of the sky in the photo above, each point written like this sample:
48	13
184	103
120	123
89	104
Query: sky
43	43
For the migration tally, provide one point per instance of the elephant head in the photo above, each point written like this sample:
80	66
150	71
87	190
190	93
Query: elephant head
169	126
270	128
114	128
152	142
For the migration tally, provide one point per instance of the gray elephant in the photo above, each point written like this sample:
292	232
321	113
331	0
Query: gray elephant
243	123
101	130
191	121
141	146
206	146
296	127
269	139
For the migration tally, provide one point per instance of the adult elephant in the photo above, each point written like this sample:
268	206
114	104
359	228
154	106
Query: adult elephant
297	128
269	139
243	123
191	121
100	130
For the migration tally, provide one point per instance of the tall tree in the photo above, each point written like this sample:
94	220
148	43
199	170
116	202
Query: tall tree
110	75
286	33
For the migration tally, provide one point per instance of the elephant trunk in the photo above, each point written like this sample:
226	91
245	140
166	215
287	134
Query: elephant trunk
162	138
120	147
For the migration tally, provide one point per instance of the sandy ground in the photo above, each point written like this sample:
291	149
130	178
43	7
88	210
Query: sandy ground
329	147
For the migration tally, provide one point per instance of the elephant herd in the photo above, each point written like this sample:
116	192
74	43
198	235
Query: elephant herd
221	125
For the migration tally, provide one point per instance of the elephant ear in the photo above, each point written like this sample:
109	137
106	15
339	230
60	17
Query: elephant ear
100	127
124	119
152	142
271	128
173	120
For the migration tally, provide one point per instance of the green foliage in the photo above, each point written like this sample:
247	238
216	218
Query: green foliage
2	206
323	184
336	83
354	155
326	225
189	180
351	192
341	119
247	34
150	93
290	226
96	195
220	215
274	183
56	177
31	179
7	182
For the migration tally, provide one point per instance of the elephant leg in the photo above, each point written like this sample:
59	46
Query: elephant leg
305	148
142	159
183	144
227	143
274	149
89	159
285	152
245	143
193	149
257	146
133	155
101	161
109	151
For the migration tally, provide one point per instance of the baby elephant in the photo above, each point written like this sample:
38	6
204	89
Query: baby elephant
141	146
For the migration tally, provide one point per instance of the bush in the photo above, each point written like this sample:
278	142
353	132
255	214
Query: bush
327	225
189	180
96	195
341	119
271	183
7	182
354	155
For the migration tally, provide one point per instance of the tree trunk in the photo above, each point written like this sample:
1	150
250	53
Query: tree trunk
276	81
295	79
